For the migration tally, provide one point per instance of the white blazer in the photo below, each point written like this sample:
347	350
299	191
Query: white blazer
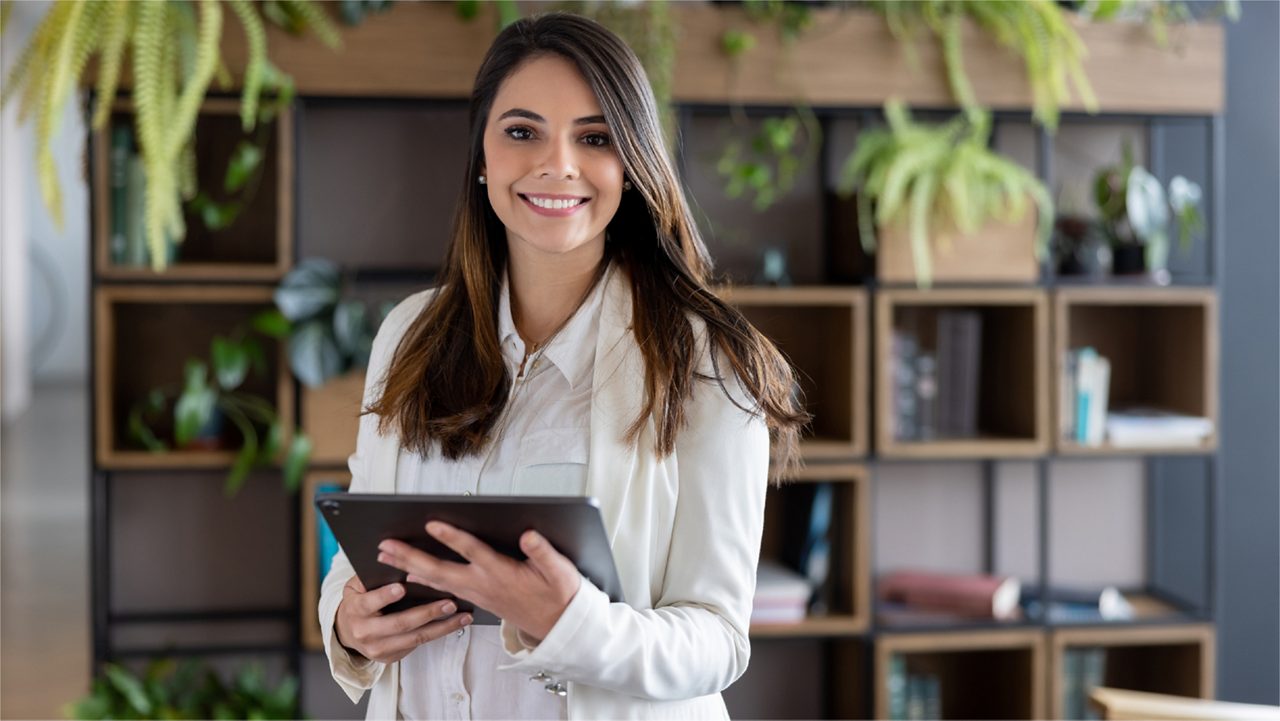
685	532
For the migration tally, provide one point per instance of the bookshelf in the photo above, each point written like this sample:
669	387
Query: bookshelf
387	98
991	675
144	336
823	332
255	247
1012	404
1162	344
786	518
1178	660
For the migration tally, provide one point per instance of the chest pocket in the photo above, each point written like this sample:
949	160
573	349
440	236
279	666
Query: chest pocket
552	462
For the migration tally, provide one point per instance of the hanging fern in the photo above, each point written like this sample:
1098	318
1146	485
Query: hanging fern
174	56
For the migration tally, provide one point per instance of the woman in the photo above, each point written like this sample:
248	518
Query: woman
572	348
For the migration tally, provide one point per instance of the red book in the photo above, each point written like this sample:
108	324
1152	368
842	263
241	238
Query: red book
966	594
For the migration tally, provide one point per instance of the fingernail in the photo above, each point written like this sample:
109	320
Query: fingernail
397	590
433	528
466	620
449	608
384	546
382	558
535	539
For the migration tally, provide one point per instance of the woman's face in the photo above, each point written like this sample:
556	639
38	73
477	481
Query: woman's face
553	175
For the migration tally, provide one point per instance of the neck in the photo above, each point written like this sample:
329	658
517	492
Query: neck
546	290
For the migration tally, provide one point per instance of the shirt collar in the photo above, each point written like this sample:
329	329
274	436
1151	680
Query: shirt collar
572	351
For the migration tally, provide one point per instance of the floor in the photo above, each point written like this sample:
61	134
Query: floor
44	562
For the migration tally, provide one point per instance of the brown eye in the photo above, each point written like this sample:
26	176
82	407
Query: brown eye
599	140
515	132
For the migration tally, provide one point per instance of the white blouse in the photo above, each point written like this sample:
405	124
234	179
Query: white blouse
541	450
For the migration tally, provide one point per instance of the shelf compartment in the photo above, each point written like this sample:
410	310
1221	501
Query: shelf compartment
1162	344
1014	347
787	513
310	590
823	331
143	338
256	247
983	674
1177	660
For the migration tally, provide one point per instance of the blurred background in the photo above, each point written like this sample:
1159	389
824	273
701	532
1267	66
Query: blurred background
1042	473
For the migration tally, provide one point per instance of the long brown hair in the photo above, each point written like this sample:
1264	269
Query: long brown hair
447	381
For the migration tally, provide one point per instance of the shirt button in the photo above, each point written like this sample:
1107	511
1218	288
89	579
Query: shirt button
466	493
461	632
458	698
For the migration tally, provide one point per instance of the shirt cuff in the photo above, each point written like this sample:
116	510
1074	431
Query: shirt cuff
542	655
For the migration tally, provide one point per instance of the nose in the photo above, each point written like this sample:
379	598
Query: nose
560	160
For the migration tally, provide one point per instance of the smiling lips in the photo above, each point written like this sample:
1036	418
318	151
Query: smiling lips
556	206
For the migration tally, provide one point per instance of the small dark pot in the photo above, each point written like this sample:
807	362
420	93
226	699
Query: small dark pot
1129	259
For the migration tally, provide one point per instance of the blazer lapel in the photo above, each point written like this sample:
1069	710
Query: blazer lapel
616	397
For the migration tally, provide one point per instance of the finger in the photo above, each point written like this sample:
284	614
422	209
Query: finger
378	598
464	544
401	644
354	584
544	557
394	624
420	564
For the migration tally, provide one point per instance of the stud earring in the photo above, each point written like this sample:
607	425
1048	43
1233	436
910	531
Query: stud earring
626	185
482	180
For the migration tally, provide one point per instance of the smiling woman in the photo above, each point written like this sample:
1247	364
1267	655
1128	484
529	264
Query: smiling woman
572	348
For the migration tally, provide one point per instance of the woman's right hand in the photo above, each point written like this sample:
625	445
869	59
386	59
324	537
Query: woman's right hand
390	638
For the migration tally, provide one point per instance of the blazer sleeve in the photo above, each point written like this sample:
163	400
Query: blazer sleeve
695	640
356	675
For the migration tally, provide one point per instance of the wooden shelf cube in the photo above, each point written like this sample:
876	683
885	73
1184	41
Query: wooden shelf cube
823	331
144	336
257	246
1176	659
787	514
1012	403
996	674
1162	344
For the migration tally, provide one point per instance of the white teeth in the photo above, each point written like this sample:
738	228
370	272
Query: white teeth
553	204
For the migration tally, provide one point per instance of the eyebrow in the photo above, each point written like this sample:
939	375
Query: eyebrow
530	115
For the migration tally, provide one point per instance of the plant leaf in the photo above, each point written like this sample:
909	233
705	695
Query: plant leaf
230	363
295	464
272	323
313	353
244	161
195	406
349	323
130	687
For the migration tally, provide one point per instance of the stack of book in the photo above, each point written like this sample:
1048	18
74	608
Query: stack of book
936	391
1153	427
1083	669
782	595
961	595
127	245
1086	378
913	696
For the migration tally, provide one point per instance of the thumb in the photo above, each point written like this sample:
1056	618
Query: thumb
543	555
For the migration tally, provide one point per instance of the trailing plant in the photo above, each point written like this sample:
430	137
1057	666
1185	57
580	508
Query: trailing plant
173	50
937	179
1158	16
201	403
1036	30
168	689
328	334
766	165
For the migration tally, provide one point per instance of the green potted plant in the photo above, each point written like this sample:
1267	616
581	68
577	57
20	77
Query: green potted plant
202	404
172	51
925	188
168	689
329	336
1135	209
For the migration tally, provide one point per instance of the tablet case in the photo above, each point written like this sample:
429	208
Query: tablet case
361	521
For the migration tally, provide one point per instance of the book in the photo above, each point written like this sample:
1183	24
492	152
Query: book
1141	426
927	396
897	686
1067	396
1092	385
1092	675
970	595
121	142
905	416
782	595
326	543
815	556
135	225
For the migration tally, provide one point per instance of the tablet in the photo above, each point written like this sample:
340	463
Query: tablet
360	521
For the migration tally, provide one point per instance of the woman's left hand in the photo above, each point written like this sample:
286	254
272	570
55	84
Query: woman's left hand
528	594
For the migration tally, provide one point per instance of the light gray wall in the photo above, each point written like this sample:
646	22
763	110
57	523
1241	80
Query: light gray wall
1249	640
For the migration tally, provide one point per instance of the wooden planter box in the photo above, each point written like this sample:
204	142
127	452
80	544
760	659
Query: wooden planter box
331	417
999	252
